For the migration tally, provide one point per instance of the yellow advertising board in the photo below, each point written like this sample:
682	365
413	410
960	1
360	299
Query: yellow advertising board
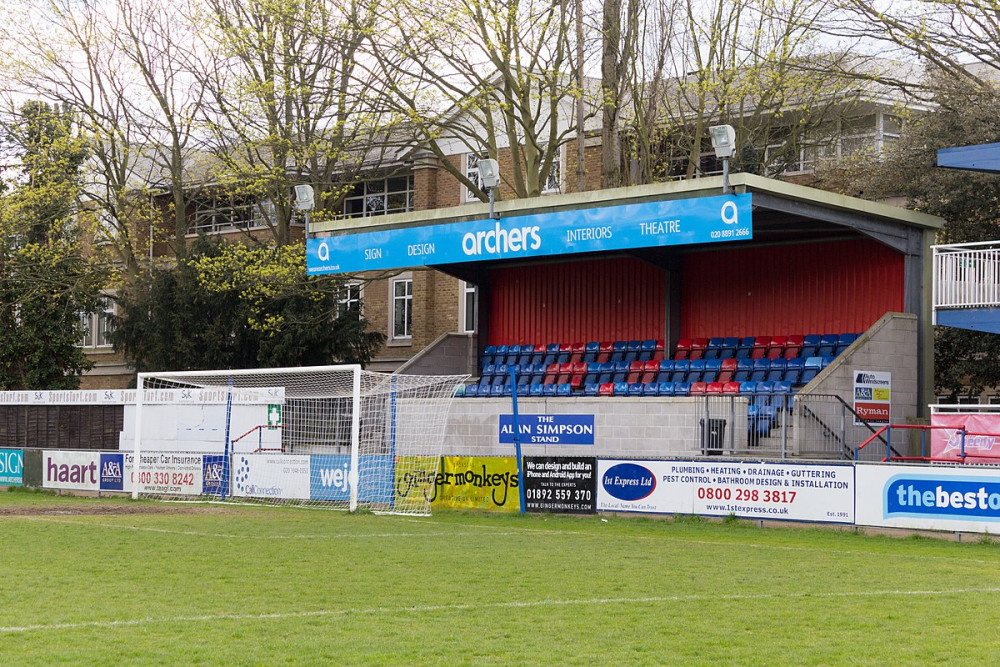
468	482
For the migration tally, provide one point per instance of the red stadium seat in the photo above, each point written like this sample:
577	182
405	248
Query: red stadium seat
793	346
604	355
634	371
760	346
565	371
731	388
683	350
698	347
714	388
606	389
777	347
579	349
728	368
579	372
699	388
650	369
551	373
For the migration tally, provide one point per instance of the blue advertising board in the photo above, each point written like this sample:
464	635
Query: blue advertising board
651	224
549	429
213	475
11	467
328	478
112	472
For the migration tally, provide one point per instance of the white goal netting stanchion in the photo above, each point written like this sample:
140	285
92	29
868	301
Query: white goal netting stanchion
332	436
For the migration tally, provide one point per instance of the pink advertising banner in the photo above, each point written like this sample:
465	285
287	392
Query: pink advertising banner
982	437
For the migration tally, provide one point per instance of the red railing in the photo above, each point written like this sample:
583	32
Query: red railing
259	429
962	456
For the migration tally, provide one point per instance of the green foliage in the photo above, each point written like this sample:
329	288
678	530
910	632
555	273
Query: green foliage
965	362
230	306
46	278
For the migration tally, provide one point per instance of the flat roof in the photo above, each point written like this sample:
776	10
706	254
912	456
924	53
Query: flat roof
778	195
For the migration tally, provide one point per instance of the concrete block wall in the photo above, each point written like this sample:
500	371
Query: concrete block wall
623	427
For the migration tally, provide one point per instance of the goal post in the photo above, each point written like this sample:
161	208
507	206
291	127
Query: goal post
330	436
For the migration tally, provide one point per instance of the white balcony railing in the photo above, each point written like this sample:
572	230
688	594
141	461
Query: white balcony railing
967	275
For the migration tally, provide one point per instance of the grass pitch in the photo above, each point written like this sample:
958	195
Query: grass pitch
120	582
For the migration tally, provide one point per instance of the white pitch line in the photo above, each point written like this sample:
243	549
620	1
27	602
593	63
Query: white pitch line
44	627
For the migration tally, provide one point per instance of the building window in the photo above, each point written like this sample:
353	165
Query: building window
96	326
379	196
402	308
468	308
226	213
349	299
553	182
472	173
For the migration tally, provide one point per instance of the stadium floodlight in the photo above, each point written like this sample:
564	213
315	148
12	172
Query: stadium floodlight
724	142
489	177
305	198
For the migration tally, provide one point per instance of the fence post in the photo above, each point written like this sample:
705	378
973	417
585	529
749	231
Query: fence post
732	424
888	442
962	450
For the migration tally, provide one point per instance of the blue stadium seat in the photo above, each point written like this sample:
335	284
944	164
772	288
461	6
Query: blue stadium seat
549	389
844	342
714	348
497	390
712	369
744	366
812	367
537	355
618	350
666	369
551	353
827	360
635	388
607	371
666	388
591	351
536	389
827	345
647	350
632	350
760	369
487	355
681	367
745	348
729	346
682	389
695	371
810	344
793	370
471	390
651	389
522	390
593	372
565	352
748	388
621	371
564	389
776	370
621	388
591	389
486	378
783	395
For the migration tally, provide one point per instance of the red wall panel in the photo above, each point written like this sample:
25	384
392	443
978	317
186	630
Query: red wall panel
835	287
570	302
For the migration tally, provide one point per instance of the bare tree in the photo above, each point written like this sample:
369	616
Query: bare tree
481	77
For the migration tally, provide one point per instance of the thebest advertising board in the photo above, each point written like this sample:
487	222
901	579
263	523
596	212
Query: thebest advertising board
981	441
477	482
663	223
872	396
271	476
560	484
752	489
11	467
928	498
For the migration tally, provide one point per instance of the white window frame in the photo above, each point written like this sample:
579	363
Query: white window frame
407	302
96	325
465	291
383	196
471	163
554	184
351	292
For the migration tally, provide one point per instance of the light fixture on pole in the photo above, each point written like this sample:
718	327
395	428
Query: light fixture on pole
724	142
489	178
305	200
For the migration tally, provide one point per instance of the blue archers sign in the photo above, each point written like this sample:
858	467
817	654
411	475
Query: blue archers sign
662	223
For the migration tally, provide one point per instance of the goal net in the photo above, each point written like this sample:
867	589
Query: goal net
333	436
